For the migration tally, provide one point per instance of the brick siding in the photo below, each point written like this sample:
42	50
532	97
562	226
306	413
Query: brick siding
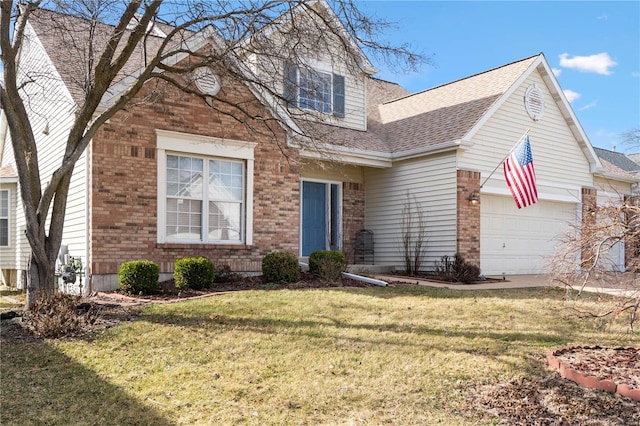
124	180
468	216
352	216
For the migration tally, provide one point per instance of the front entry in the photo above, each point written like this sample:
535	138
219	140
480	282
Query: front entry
320	217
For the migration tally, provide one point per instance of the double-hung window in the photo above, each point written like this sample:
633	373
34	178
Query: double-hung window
314	90
205	199
4	218
205	189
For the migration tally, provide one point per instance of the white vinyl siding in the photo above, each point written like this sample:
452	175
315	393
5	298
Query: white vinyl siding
431	182
51	109
561	166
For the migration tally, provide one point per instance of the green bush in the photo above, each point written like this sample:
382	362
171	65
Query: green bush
196	273
138	276
280	267
327	265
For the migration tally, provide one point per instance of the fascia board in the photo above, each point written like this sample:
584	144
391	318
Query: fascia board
346	155
442	147
621	178
376	158
570	117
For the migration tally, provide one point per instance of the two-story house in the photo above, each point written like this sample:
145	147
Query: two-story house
169	177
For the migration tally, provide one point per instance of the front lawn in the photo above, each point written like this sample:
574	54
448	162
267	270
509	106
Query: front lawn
392	355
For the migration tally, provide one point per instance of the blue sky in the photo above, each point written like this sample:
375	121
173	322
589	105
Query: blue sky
592	46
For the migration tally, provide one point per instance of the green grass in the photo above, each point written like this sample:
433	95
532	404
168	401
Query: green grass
405	355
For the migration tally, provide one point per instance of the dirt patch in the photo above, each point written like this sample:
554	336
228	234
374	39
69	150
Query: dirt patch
552	400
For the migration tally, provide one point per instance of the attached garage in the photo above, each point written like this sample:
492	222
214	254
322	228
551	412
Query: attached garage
521	241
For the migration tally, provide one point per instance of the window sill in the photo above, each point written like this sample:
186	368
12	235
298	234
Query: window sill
201	246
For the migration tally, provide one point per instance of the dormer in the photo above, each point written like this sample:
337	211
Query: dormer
314	66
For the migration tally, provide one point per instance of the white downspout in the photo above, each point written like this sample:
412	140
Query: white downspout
305	267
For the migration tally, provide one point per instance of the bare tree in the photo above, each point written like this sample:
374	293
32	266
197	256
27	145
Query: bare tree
632	138
414	234
589	256
115	49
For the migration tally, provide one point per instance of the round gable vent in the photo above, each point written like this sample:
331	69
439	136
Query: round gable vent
207	81
534	102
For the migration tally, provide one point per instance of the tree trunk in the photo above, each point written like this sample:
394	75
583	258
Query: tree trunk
41	282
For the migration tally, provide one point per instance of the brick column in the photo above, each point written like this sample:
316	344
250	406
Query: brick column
352	216
468	216
589	204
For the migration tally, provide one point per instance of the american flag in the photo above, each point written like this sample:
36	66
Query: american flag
520	174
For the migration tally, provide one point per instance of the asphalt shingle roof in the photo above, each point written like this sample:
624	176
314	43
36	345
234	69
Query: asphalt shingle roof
618	159
446	113
397	121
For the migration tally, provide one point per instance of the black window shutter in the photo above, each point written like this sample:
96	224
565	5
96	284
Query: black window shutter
290	91
338	95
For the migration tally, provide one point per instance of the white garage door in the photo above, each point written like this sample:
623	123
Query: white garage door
520	241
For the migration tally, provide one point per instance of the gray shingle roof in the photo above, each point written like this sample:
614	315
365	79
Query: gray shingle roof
7	171
619	160
67	40
446	113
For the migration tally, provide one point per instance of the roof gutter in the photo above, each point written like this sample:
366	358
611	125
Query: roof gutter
618	177
375	158
436	149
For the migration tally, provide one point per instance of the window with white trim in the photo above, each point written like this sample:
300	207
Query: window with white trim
204	209
4	218
205	189
314	90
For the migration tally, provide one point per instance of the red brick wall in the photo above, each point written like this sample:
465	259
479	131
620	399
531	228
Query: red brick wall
468	216
124	181
352	216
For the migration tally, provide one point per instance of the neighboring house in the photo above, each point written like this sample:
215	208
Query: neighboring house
167	179
621	164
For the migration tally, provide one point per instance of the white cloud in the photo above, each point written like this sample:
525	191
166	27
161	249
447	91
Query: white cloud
635	74
589	106
556	71
603	17
571	95
599	63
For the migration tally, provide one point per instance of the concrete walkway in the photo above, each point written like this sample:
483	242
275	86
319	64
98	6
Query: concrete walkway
511	282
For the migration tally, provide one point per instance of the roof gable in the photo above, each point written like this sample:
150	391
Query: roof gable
446	114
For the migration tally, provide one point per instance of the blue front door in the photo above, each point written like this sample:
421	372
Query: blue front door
314	218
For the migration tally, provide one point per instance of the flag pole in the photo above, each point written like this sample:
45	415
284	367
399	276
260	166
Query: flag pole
505	157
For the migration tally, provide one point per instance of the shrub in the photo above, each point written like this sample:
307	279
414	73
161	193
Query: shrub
58	316
457	269
280	267
196	273
138	276
327	265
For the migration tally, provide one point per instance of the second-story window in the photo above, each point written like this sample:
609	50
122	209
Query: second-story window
314	90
